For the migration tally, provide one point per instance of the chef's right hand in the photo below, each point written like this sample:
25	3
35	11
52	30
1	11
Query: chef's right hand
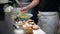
24	9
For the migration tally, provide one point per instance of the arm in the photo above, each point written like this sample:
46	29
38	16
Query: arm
18	2
31	5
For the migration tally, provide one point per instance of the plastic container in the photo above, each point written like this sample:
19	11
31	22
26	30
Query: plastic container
48	21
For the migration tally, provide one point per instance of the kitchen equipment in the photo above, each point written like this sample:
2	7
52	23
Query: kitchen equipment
25	16
48	22
9	17
17	13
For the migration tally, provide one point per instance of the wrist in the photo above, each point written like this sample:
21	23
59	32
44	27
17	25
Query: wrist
28	8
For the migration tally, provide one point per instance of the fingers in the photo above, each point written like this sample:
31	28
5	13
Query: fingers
23	10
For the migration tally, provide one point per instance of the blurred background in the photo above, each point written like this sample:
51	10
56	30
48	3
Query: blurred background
6	26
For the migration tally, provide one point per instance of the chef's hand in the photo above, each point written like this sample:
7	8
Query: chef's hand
24	9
